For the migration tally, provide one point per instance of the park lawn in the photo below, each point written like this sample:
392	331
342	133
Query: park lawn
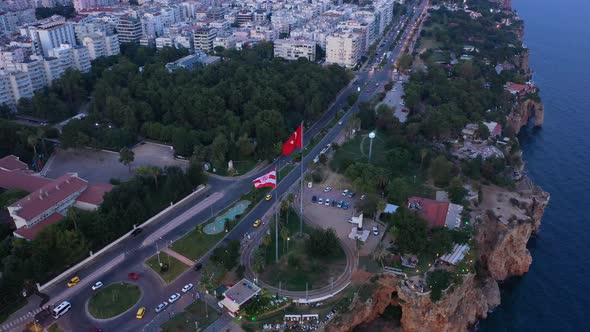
54	328
196	243
175	267
113	300
186	320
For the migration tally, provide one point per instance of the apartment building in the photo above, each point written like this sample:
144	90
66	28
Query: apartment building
344	48
49	35
129	29
203	39
100	45
291	49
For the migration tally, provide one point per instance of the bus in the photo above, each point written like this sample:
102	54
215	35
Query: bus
61	309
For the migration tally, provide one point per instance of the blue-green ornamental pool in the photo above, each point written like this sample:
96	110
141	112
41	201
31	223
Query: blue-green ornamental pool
218	225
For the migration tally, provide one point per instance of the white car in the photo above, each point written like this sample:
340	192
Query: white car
161	306
327	189
327	202
173	298
375	231
320	201
345	192
187	287
97	285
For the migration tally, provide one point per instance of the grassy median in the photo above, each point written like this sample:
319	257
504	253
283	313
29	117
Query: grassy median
113	300
175	267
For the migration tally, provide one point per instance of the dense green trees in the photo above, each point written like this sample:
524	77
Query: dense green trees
237	109
437	281
323	243
45	12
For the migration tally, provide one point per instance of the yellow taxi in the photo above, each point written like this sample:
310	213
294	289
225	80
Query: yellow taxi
257	223
268	197
74	281
140	313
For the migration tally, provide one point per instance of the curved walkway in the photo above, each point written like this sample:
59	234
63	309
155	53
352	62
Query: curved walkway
338	284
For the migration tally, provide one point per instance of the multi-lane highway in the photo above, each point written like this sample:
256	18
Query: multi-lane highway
129	255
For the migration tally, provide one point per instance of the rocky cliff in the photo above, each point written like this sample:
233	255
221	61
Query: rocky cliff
461	307
505	220
522	112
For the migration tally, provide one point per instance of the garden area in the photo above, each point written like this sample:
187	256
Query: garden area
113	300
310	260
170	268
196	317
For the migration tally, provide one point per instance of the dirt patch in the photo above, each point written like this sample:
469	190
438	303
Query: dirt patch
359	277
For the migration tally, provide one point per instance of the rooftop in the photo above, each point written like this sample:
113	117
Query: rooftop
239	294
12	163
434	212
31	232
49	195
22	181
94	193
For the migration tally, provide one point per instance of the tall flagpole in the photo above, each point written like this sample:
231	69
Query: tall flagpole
302	180
276	216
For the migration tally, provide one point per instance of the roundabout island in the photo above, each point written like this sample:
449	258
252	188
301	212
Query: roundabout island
113	300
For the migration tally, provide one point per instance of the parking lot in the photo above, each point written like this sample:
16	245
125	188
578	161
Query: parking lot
328	216
101	166
393	98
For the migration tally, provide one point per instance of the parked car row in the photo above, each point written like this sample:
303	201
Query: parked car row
328	202
173	298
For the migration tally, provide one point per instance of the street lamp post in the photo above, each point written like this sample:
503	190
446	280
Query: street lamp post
371	136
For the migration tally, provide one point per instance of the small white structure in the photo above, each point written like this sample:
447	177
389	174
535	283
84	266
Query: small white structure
457	255
358	221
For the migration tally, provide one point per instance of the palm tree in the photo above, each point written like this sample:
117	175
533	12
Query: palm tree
152	171
126	157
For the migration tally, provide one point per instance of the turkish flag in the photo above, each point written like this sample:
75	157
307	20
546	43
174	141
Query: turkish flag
295	141
267	180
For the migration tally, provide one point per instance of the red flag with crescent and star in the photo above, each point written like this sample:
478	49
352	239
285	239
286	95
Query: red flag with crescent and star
295	141
267	180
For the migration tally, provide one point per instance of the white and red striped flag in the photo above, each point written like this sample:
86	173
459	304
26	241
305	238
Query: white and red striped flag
267	180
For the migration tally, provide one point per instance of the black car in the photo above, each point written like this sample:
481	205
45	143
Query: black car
351	194
334	203
314	199
136	231
198	266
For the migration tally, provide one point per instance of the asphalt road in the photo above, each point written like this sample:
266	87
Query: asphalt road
154	290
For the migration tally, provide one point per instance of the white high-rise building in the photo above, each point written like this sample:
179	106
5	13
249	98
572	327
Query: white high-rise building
344	48
129	29
291	49
50	35
100	45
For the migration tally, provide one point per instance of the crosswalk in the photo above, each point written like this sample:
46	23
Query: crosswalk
12	325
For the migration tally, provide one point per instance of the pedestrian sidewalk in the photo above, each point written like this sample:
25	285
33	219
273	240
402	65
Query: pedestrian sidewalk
178	256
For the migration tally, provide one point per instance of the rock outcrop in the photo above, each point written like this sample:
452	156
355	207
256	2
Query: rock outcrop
522	112
461	307
504	223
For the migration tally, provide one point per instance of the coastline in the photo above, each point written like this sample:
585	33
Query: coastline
502	232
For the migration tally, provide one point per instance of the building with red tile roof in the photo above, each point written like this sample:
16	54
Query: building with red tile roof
520	89
437	213
55	196
49	199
